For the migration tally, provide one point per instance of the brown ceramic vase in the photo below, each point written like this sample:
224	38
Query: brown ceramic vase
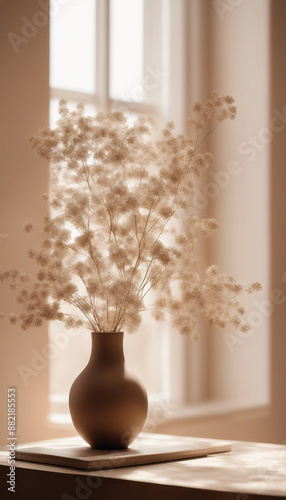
107	406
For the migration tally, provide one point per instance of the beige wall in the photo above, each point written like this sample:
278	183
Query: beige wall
278	215
24	109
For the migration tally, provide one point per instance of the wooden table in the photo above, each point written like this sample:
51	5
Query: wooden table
250	471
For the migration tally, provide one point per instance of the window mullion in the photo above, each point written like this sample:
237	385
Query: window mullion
154	75
175	57
72	95
102	54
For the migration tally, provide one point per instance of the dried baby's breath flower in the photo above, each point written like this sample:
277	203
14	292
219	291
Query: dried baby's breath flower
115	191
29	226
13	319
254	287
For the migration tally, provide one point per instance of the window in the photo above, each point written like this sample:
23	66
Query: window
93	61
152	56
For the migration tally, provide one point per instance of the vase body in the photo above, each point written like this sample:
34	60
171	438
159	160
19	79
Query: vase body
107	406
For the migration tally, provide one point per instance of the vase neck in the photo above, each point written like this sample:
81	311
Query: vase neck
107	348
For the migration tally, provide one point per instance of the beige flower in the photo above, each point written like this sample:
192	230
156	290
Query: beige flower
115	191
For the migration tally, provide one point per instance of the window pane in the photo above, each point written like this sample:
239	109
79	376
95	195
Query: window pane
72	46
71	349
126	50
144	352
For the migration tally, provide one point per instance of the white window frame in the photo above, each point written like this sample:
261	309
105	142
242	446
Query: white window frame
181	51
156	103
